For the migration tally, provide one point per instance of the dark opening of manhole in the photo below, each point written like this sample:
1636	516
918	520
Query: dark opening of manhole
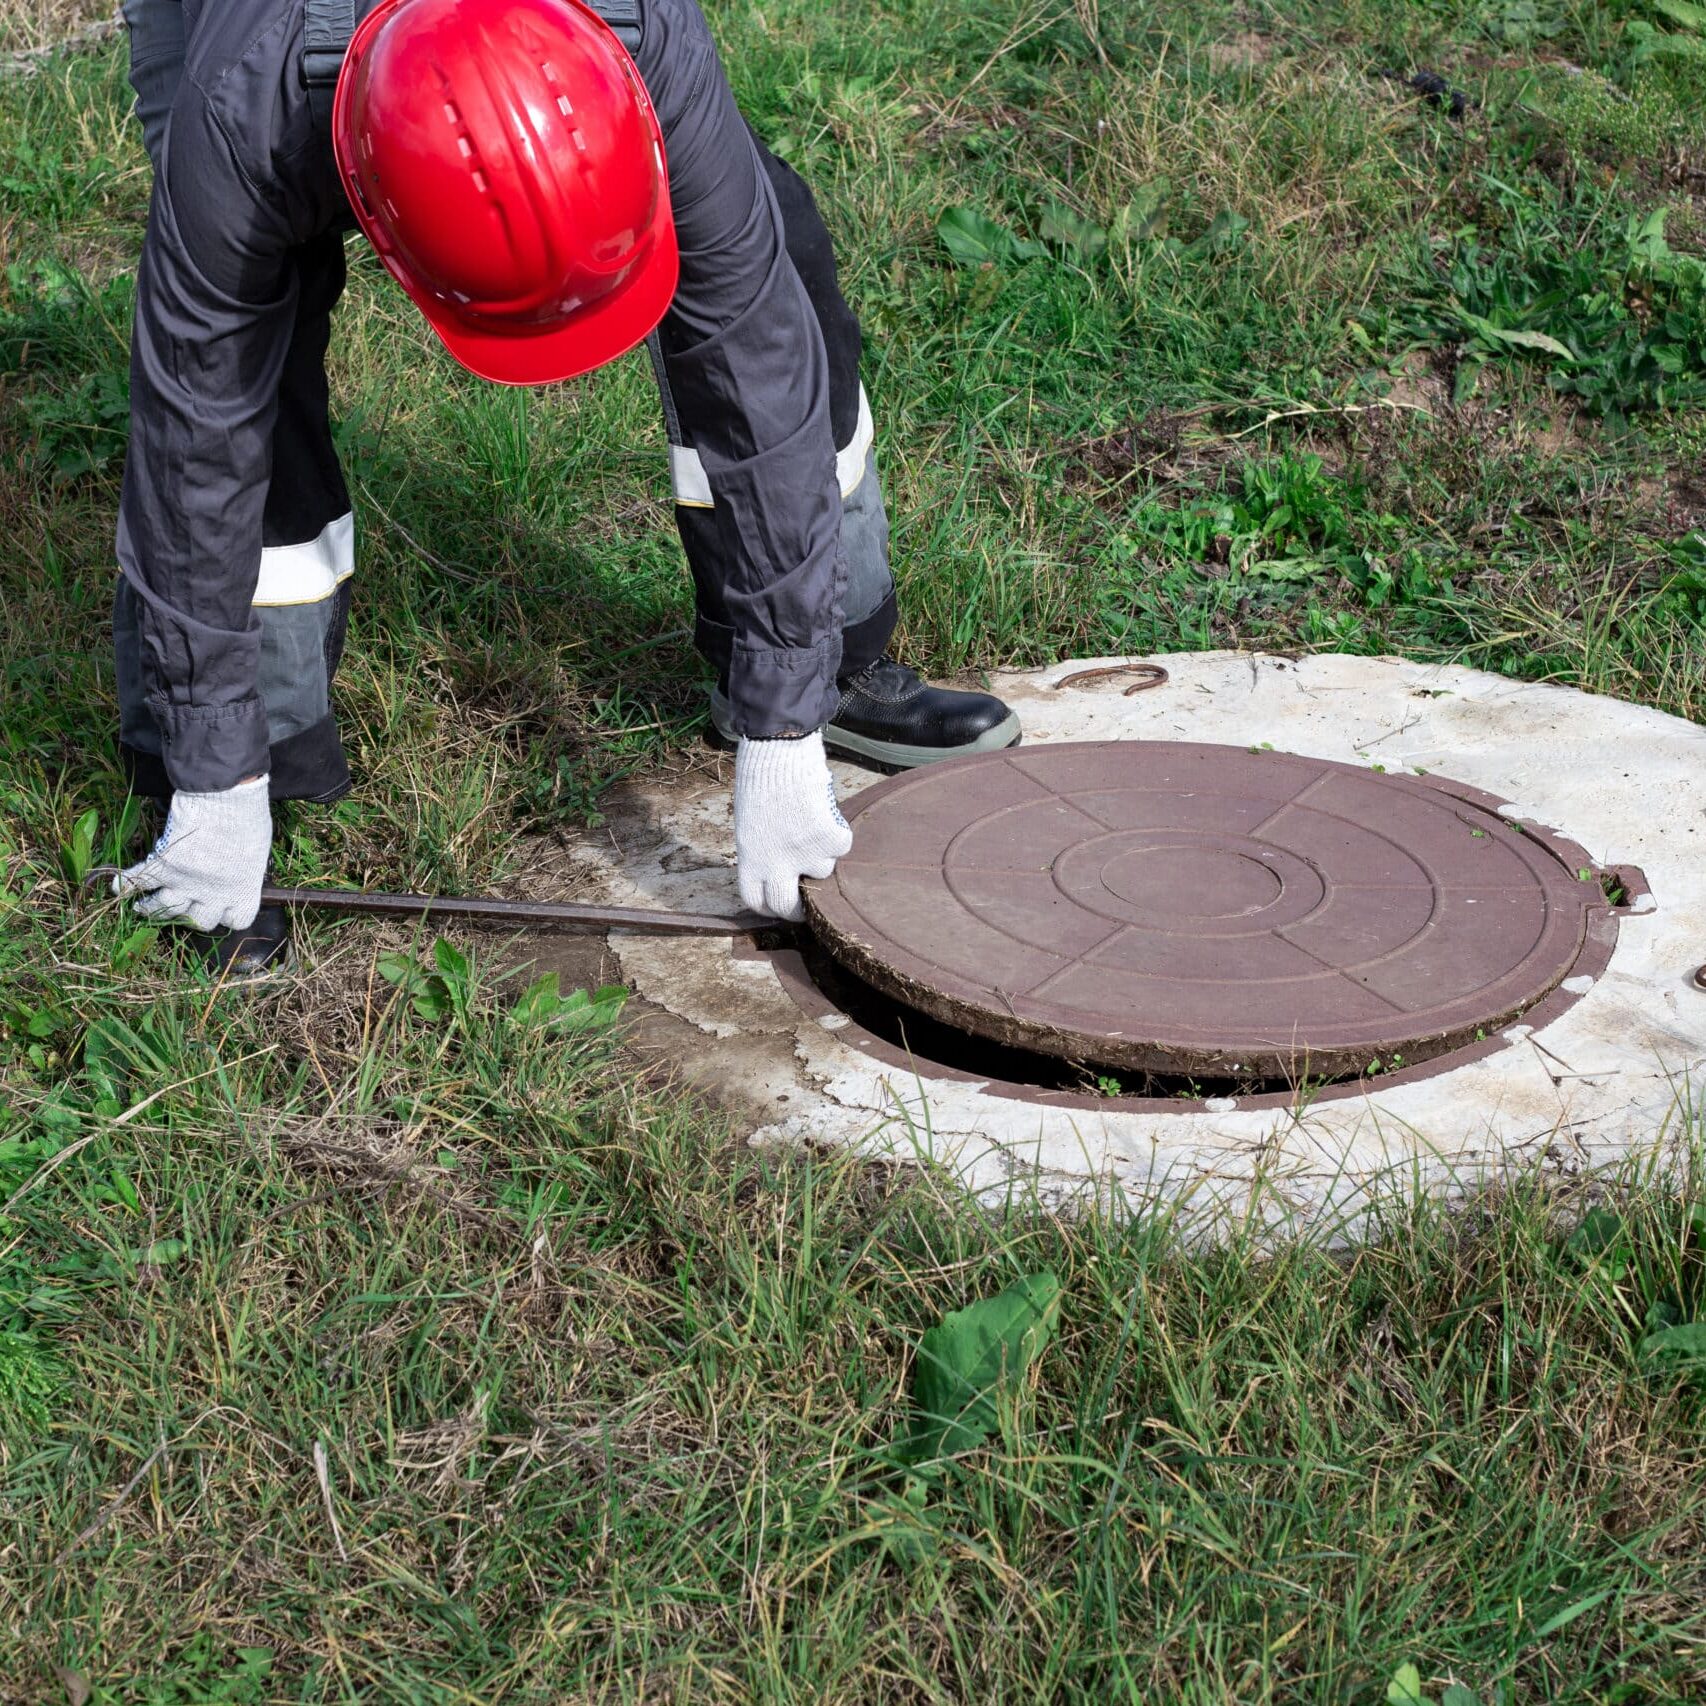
929	1042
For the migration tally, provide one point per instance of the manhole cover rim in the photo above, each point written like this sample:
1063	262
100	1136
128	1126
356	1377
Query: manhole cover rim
1333	1049
795	978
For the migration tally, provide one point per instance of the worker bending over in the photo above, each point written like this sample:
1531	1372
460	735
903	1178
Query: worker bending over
550	185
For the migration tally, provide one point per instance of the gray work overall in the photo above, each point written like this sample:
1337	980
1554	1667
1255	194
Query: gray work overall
236	541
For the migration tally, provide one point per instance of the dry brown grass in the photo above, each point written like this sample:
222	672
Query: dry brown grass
30	25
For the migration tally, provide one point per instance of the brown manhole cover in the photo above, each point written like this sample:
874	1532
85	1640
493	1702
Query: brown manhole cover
1169	907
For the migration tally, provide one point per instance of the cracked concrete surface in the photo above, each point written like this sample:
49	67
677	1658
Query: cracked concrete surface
1621	1070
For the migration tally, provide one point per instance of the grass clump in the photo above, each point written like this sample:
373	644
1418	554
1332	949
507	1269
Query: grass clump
384	1338
607	1404
1616	319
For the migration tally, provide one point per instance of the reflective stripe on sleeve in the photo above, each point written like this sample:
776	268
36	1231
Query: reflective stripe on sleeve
311	572
693	486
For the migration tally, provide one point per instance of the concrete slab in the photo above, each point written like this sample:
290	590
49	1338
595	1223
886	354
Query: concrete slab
1622	1070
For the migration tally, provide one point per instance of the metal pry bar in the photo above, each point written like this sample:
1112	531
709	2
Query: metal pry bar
489	909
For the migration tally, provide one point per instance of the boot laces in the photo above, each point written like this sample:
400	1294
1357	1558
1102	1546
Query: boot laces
857	682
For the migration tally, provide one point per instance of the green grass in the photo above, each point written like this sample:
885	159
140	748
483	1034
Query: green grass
1184	329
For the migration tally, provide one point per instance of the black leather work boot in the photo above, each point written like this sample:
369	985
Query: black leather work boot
891	717
261	951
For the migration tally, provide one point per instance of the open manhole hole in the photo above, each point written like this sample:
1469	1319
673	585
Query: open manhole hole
1167	920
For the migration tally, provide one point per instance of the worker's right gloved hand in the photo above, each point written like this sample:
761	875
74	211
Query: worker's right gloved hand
207	868
787	824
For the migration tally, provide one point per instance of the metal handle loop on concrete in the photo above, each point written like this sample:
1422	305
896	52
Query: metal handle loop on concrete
1153	676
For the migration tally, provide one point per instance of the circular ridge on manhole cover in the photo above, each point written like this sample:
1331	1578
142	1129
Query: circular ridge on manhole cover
1174	907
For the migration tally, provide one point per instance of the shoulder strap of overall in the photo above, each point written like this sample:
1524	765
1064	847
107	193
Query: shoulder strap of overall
326	28
626	17
329	24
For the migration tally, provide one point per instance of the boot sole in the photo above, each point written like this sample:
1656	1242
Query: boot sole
285	965
894	756
886	755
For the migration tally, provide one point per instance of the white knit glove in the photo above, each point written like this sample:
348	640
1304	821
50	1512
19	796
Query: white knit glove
787	824
207	868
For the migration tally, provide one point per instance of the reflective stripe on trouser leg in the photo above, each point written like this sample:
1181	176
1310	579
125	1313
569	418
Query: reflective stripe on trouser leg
693	487
864	517
302	602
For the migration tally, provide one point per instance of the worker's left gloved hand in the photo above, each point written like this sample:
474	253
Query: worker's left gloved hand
787	824
207	868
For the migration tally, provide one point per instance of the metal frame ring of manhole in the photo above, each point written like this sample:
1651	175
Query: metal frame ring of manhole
1210	912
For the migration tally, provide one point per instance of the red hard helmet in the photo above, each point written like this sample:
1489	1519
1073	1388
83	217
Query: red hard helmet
503	158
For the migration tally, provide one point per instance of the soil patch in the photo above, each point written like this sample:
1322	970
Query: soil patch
1420	384
1166	447
1242	52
